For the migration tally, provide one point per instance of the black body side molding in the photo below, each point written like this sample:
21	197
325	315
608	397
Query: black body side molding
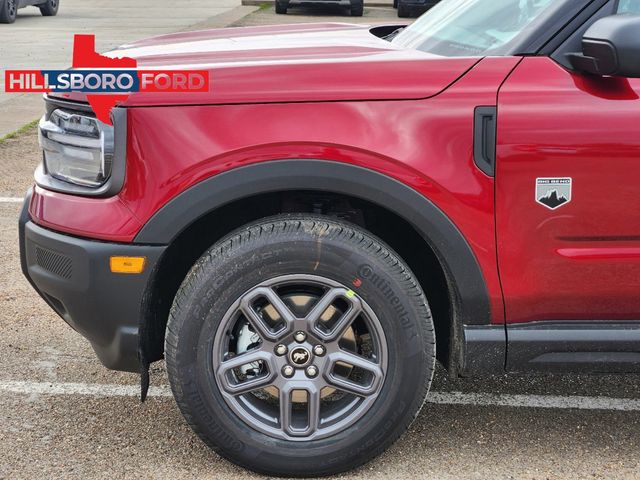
593	346
471	301
484	350
571	346
484	139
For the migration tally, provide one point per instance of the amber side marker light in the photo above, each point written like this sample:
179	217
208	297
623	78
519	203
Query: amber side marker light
127	264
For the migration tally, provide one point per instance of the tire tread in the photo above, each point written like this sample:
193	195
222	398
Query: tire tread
252	235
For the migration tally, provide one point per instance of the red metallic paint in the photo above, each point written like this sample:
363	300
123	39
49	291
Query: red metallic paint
309	62
102	219
426	143
342	94
582	260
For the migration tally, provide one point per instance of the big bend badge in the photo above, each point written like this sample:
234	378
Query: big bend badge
553	192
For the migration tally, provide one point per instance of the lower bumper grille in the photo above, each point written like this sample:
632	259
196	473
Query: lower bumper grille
54	262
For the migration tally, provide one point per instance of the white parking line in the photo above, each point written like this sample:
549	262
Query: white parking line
535	401
446	398
90	389
11	199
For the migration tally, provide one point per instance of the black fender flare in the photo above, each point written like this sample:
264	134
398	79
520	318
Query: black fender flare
471	299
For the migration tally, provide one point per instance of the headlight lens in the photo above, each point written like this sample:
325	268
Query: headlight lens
77	148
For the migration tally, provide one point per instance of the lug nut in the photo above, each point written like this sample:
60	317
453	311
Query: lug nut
281	350
319	350
300	337
287	371
312	371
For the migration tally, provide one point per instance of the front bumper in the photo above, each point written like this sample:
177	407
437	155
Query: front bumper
73	276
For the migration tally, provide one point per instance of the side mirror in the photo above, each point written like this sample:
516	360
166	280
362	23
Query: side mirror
611	47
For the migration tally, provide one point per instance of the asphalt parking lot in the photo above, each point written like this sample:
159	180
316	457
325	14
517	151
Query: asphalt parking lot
62	415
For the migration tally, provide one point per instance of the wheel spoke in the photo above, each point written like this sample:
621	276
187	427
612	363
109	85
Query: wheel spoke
373	370
225	375
313	409
347	318
312	421
258	323
286	405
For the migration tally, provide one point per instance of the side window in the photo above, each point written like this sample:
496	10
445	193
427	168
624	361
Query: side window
628	6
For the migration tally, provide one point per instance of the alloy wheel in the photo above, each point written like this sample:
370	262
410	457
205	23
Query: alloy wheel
299	357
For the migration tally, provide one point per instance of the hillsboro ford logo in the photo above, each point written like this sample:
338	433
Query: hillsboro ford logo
105	81
553	192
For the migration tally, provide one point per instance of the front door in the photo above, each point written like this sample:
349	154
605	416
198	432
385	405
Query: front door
568	194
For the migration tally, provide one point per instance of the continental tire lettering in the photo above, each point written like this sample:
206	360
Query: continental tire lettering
367	273
203	413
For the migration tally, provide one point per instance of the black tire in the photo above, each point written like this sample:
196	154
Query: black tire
404	11
305	245
8	11
395	3
282	7
357	8
50	8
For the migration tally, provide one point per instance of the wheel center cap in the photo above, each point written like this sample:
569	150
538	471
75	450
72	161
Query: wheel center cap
300	356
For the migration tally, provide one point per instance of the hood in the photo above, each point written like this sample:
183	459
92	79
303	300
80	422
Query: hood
292	63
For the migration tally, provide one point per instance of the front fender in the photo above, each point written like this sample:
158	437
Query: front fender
471	298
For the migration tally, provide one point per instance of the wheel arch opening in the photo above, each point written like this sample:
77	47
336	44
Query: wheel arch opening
201	234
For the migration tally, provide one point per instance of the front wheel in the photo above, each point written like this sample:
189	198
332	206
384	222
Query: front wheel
8	11
49	8
300	345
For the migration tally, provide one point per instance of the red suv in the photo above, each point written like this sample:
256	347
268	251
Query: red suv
345	206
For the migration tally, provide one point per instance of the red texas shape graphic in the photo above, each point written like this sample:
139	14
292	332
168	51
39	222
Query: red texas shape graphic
85	56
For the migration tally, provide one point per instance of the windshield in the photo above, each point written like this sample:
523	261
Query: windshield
456	28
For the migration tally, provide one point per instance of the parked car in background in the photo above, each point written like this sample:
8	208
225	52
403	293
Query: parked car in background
9	8
355	6
413	8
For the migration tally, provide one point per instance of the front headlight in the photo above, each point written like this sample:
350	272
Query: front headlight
77	148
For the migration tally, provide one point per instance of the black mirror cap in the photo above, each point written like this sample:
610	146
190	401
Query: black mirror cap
611	47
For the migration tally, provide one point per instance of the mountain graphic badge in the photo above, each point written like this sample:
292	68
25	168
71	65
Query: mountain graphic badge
553	192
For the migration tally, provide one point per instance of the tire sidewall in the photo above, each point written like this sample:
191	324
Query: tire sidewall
5	16
282	6
222	279
357	8
48	9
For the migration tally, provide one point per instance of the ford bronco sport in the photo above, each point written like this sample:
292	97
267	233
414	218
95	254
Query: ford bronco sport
346	205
